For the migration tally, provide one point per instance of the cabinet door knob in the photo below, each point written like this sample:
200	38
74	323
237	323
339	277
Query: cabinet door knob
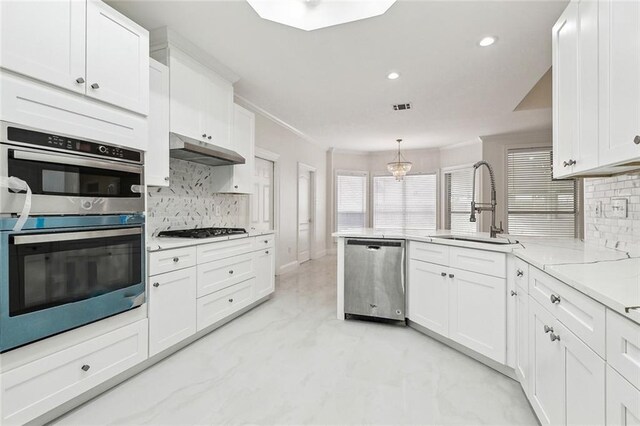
236	186
204	135
95	86
230	300
554	298
166	179
554	337
451	275
231	272
444	274
267	252
266	241
176	259
547	329
80	80
156	284
85	367
636	140
519	273
514	293
209	137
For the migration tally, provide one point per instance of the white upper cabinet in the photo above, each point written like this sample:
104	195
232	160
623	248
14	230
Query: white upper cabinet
51	47
117	59
220	111
187	96
83	46
157	156
619	81
575	89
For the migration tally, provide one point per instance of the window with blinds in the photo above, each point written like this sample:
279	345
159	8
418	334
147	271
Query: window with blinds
538	205
457	200
351	200
410	203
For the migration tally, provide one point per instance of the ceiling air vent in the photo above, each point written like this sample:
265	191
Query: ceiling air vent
401	107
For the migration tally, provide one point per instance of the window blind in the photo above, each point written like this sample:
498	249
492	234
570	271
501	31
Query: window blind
410	203
538	205
457	200
351	200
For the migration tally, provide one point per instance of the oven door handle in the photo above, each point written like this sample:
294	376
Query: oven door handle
73	236
75	161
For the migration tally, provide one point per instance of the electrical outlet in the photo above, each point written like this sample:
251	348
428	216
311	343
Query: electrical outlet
619	207
598	209
217	211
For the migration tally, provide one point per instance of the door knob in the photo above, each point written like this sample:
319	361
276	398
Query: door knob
267	252
547	329
204	135
231	272
444	274
554	298
95	86
451	275
519	273
636	140
230	300
209	137
514	293
156	285
80	80
176	259
554	337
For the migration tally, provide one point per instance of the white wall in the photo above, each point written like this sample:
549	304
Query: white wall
293	149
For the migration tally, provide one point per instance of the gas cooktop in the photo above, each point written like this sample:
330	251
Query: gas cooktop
202	232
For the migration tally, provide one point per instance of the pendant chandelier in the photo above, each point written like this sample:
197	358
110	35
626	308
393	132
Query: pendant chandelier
399	168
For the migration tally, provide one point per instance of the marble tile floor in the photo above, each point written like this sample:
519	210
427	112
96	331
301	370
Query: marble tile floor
290	361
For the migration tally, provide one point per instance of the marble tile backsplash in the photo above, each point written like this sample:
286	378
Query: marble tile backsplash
600	223
189	202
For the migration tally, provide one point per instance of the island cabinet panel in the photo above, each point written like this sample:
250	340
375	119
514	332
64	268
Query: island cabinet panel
623	400
428	296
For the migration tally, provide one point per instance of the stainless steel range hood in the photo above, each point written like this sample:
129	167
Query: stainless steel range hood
189	149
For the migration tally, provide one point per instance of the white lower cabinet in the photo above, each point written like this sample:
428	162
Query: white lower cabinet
214	276
522	338
567	377
42	385
172	308
265	273
219	305
623	400
428	296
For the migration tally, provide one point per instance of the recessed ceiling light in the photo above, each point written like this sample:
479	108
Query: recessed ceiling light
487	41
393	75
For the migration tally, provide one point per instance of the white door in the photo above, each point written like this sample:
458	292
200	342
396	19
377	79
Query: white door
428	296
172	308
265	273
219	110
620	68
546	367
262	197
522	338
117	59
477	313
304	215
584	380
45	40
623	400
156	167
243	144
187	96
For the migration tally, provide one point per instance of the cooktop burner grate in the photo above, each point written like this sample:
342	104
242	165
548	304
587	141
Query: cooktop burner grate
202	232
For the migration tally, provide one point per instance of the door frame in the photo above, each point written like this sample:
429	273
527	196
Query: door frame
275	159
312	209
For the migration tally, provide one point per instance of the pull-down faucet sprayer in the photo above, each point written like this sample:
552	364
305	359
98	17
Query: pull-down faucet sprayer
480	207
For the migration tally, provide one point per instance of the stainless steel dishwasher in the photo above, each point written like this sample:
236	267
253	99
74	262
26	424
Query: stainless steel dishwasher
374	278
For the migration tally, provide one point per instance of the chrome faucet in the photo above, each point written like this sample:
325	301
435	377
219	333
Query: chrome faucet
481	207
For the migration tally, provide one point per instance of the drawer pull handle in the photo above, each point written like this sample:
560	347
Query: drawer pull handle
451	275
85	367
554	298
548	329
176	259
230	300
568	163
95	86
156	285
514	293
231	272
636	140
554	337
444	274
79	80
519	273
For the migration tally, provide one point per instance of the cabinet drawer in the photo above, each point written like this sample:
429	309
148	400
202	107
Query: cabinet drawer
214	276
224	249
521	274
264	241
40	386
480	261
623	346
427	252
171	260
582	315
219	305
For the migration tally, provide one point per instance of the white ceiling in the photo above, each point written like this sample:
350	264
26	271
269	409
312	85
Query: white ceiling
331	83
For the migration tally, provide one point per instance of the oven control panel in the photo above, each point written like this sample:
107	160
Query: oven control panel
33	137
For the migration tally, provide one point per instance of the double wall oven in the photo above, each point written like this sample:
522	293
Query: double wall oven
79	257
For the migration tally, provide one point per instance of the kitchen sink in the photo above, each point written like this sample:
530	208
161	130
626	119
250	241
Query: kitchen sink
498	241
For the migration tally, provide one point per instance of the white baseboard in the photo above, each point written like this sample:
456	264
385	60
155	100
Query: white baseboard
289	267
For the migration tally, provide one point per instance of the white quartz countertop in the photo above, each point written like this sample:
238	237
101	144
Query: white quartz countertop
166	243
610	276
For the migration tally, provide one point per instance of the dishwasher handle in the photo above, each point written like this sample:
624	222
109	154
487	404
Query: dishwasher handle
375	243
373	248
